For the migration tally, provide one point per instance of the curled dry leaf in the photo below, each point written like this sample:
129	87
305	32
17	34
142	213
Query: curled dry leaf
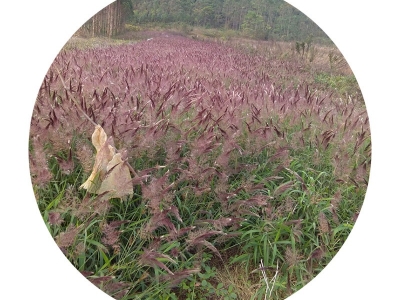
99	137
110	173
118	180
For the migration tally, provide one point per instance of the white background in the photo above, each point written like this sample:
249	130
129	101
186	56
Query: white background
33	32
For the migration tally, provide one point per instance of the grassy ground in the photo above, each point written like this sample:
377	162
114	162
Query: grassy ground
244	152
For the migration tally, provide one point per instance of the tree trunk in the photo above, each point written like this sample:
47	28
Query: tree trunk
107	22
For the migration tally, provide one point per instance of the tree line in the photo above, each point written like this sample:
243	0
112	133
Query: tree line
261	19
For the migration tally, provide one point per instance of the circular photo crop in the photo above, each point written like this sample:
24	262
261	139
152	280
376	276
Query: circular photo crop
199	149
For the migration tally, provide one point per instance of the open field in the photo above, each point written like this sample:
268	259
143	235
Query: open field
240	153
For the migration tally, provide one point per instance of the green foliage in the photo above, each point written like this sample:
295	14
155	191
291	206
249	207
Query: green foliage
254	24
203	287
261	19
343	84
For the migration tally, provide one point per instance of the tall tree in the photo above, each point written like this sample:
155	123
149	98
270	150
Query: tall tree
107	22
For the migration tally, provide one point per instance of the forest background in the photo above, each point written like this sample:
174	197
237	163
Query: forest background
257	19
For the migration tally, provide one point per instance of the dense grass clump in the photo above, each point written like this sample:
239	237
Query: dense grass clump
238	155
